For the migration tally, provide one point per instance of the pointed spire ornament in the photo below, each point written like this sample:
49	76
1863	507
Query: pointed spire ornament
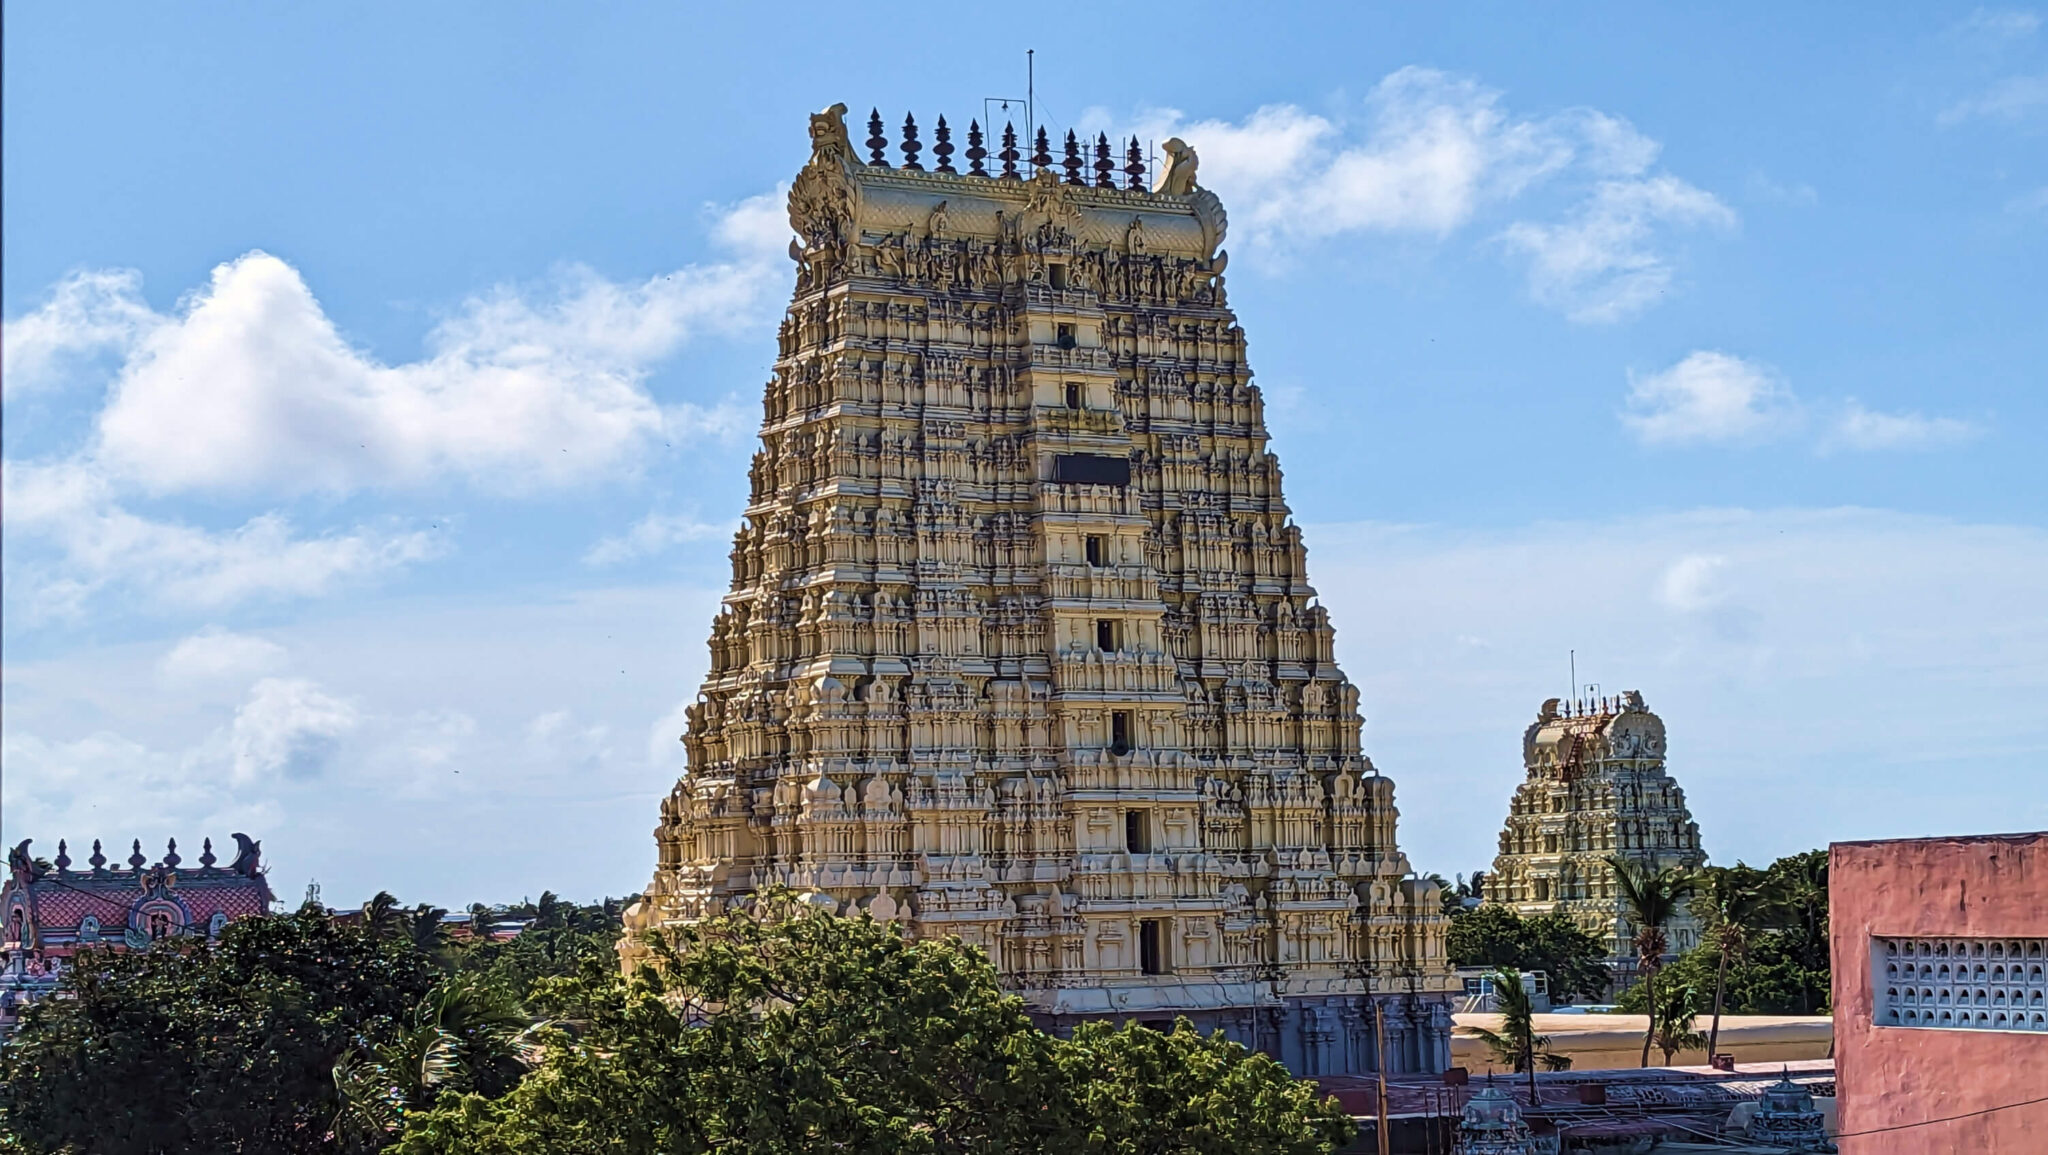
1072	160
206	857
63	857
1041	151
942	150
98	860
171	858
1009	156
138	860
975	153
877	143
1105	168
910	146
1134	165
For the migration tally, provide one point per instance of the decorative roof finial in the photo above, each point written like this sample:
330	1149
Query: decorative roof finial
943	150
1072	160
171	858
876	142
1009	155
137	859
63	858
975	153
1134	166
206	858
1041	150
1105	168
98	860
910	146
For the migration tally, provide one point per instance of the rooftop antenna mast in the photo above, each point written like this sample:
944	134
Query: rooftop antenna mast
1030	93
1575	673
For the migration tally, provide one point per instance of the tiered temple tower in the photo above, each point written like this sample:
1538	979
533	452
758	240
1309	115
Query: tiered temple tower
1020	645
1595	787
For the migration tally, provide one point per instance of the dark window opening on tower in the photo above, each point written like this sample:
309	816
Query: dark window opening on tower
1105	635
1063	336
1120	731
1137	839
1056	275
1073	392
1151	959
1094	548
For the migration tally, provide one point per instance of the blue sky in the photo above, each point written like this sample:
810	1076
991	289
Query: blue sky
380	383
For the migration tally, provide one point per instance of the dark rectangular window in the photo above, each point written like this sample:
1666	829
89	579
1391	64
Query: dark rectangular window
1063	336
1119	731
1094	548
1091	469
1137	839
1056	275
1073	394
1151	959
1109	635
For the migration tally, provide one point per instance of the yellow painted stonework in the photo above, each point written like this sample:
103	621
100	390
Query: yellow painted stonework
1020	644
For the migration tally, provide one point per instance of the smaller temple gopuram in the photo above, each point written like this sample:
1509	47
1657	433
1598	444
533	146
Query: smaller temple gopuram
51	911
1594	785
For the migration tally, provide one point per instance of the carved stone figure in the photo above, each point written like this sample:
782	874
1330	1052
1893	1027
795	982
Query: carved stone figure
1020	644
1179	177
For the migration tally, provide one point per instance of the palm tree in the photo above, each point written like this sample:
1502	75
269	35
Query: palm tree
1650	898
1516	1044
429	934
381	916
464	1034
1737	904
1672	1021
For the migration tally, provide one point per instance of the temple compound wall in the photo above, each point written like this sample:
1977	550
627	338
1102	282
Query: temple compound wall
1020	644
1594	786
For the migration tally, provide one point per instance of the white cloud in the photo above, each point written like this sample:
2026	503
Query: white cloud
1602	264
288	727
253	388
99	545
1817	668
1866	429
2011	99
88	312
654	534
1999	24
1709	397
214	654
1690	586
1433	152
248	388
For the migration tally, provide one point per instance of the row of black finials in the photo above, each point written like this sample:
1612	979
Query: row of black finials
1041	153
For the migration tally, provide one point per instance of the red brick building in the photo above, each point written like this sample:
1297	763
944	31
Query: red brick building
1940	954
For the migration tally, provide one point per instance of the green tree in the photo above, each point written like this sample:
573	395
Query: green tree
1678	1009
466	1034
1516	1044
205	1046
785	1029
1734	903
1495	936
1650	898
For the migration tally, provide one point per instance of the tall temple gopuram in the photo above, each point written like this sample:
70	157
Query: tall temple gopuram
1020	644
1595	786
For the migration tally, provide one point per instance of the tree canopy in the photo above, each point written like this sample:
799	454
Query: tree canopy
776	1029
1496	936
785	1029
